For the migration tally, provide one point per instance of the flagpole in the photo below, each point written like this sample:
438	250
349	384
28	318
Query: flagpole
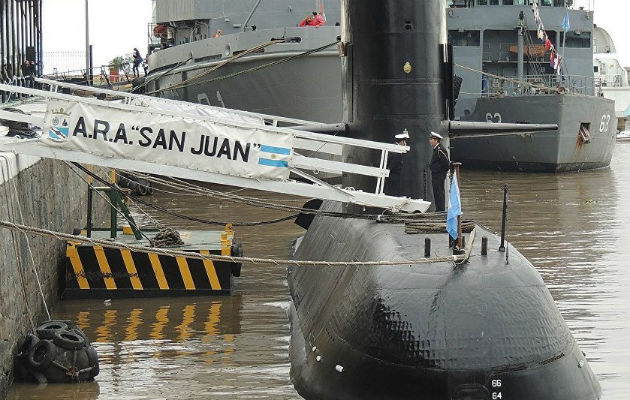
456	165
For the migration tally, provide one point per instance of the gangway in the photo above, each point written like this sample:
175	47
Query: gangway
198	142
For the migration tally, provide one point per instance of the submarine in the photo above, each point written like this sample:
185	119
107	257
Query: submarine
483	328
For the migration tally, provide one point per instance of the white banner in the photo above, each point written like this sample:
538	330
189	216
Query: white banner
166	140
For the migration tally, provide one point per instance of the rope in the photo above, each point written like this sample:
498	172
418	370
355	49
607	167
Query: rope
253	69
179	215
541	87
423	227
219	65
259	203
165	238
107	199
196	190
16	251
215	257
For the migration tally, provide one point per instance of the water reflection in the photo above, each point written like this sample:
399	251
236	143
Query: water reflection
176	319
83	391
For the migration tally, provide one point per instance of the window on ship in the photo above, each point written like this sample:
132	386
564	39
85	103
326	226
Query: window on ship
464	38
577	39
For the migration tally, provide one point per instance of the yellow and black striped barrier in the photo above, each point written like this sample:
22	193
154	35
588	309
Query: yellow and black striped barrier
93	270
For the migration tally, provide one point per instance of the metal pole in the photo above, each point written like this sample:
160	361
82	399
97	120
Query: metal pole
504	219
87	43
520	52
89	75
88	223
249	17
460	244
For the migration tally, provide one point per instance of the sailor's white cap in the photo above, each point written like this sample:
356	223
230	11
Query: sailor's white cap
403	135
435	135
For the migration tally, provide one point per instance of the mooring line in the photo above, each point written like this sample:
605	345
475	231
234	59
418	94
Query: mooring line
214	257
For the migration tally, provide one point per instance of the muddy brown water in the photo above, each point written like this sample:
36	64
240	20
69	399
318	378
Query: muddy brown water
574	228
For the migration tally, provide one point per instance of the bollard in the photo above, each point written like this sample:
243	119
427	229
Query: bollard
484	246
427	247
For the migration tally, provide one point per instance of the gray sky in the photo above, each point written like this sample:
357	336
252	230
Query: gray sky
117	26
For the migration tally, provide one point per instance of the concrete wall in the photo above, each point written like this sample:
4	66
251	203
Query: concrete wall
53	197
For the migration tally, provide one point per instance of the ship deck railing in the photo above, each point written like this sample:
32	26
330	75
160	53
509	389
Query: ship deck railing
610	80
539	84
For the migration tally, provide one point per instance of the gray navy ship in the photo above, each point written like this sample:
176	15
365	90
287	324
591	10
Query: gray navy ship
299	75
221	53
508	77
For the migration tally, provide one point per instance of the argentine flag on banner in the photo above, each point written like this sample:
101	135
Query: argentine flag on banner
454	208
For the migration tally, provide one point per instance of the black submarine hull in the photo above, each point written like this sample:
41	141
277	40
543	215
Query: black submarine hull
485	329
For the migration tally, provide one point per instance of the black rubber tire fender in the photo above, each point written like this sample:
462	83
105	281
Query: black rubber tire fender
30	341
69	340
93	359
79	332
236	251
48	329
38	377
42	354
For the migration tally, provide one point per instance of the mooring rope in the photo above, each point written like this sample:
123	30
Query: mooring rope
458	258
14	241
234	57
253	69
179	215
396	217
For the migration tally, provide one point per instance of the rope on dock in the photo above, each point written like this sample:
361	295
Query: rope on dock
214	257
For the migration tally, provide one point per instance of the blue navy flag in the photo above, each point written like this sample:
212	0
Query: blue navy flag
454	209
566	24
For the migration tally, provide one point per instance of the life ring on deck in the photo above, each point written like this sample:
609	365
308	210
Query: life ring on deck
159	30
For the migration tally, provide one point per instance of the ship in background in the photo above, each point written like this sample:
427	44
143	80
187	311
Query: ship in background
226	45
611	78
507	77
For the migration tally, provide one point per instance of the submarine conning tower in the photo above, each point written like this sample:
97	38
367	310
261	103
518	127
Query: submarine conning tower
394	79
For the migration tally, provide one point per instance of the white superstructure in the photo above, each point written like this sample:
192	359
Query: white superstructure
610	76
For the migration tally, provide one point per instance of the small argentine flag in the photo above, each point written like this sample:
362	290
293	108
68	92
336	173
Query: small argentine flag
273	156
454	209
